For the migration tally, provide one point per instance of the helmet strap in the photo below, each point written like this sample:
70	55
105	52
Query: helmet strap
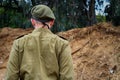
45	25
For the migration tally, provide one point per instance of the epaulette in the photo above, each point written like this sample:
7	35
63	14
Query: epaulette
19	36
62	37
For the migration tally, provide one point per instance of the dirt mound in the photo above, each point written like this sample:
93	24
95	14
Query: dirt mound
95	50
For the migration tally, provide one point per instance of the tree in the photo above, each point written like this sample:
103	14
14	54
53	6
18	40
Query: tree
89	6
13	13
69	13
113	12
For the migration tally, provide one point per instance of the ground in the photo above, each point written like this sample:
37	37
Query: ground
95	50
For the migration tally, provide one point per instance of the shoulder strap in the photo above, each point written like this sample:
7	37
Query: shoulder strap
62	37
19	36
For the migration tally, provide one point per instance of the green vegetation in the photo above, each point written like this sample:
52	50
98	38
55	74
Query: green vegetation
69	13
113	12
100	18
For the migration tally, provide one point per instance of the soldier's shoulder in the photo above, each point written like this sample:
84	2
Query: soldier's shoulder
20	40
22	37
62	39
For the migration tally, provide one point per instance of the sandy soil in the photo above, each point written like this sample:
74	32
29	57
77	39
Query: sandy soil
95	50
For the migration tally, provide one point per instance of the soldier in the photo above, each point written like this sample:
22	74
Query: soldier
40	55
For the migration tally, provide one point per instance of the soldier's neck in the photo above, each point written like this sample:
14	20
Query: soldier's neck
42	26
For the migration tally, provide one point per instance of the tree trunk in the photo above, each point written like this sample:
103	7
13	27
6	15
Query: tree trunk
92	16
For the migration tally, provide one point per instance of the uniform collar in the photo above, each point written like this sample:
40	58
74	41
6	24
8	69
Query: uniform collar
42	30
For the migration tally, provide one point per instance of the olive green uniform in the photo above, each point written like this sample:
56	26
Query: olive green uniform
40	55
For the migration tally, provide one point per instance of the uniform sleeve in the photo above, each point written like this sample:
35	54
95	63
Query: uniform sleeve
13	66
66	64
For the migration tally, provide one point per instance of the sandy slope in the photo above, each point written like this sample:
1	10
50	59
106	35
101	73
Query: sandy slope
95	50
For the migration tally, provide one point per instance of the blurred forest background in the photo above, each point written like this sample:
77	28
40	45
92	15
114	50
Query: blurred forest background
69	13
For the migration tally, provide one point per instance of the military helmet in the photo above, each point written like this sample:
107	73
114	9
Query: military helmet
42	13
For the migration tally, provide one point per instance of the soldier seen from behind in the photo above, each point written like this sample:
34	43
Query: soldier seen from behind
40	55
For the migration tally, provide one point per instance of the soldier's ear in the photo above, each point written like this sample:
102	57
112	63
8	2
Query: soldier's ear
52	22
33	22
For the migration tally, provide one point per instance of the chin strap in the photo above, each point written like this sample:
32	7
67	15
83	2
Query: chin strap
45	25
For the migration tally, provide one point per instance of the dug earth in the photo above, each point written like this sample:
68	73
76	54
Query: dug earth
95	50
